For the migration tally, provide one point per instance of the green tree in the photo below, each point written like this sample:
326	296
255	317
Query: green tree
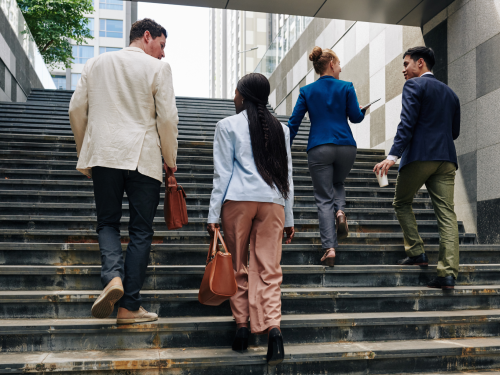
53	23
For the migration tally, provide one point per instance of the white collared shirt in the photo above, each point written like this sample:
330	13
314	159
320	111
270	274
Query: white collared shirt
235	174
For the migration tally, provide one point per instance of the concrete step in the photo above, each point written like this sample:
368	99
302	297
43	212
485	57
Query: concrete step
62	304
336	320
9	196
161	277
56	142
48	188
87	253
30	336
10	154
196	211
207	115
335	358
366	169
201	237
71	187
42	222
357	179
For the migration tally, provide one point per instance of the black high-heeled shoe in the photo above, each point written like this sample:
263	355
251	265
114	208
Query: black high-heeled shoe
240	343
275	349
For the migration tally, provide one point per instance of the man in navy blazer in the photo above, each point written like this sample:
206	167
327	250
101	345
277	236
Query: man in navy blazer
430	122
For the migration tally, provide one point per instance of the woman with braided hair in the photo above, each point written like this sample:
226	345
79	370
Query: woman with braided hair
253	195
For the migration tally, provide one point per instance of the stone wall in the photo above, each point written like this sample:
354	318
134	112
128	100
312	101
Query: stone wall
371	56
469	30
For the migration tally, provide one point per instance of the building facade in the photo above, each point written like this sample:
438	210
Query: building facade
21	64
110	25
238	42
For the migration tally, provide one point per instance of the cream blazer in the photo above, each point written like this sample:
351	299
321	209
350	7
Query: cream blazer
123	113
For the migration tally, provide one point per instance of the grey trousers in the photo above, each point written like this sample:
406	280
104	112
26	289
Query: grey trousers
329	166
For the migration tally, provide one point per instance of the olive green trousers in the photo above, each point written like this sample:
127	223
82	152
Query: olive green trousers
439	178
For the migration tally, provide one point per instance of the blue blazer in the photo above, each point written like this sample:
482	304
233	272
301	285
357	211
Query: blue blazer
430	122
329	102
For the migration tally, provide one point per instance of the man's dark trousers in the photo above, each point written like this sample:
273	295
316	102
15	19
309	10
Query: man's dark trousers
143	194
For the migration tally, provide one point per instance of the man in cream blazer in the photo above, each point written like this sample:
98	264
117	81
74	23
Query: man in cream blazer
124	118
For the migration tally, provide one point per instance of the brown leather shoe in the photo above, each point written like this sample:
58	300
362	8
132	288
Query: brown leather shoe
140	316
329	258
105	303
342	228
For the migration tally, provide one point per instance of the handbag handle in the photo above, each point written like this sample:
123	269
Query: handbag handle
212	250
168	171
170	180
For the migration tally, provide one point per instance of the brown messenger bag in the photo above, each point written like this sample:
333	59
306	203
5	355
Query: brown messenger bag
174	207
219	283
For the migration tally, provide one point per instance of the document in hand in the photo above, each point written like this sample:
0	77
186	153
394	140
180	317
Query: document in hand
369	104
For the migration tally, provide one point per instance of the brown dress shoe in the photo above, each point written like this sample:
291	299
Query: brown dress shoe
140	316
105	303
342	228
329	258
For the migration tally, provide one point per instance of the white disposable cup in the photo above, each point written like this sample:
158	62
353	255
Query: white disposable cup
382	179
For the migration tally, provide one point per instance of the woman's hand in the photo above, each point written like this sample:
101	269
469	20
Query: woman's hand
290	233
211	228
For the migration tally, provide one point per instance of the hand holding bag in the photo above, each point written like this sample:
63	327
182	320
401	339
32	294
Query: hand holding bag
174	207
219	283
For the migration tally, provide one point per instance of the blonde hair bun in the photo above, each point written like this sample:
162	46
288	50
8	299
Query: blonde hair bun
316	54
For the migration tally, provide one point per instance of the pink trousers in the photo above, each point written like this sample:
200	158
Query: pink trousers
259	295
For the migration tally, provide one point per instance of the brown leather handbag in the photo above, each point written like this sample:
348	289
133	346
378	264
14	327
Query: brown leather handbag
219	283
174	207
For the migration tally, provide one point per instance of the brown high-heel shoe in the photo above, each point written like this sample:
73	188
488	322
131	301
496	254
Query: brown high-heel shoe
342	228
328	259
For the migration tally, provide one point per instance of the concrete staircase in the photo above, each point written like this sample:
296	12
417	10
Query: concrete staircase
366	315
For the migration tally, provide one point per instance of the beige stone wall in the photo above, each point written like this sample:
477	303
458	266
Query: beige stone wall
371	56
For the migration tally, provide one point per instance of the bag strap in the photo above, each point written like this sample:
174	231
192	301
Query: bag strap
170	180
213	249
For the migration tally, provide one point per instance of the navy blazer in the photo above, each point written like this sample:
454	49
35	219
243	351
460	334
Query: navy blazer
430	122
329	102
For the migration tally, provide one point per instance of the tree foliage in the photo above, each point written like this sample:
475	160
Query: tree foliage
53	23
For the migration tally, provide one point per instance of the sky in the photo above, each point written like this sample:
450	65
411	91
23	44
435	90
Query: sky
187	44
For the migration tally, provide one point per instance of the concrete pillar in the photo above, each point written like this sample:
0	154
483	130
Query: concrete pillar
212	60
224	53
68	78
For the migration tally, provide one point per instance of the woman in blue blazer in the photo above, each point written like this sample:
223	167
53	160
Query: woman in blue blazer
331	149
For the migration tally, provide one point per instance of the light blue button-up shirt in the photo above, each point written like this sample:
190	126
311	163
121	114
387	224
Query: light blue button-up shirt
236	177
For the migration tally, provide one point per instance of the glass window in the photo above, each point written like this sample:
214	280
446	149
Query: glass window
108	49
111	28
75	77
111	4
59	81
82	53
90	26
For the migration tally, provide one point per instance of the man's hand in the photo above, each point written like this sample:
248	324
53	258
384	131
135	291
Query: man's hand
173	170
290	233
384	166
211	228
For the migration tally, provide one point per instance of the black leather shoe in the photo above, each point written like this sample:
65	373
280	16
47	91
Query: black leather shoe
447	282
240	343
275	349
419	260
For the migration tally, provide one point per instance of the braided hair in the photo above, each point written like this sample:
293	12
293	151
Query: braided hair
266	133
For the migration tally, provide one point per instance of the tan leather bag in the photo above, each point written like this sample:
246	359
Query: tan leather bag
174	207
219	283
